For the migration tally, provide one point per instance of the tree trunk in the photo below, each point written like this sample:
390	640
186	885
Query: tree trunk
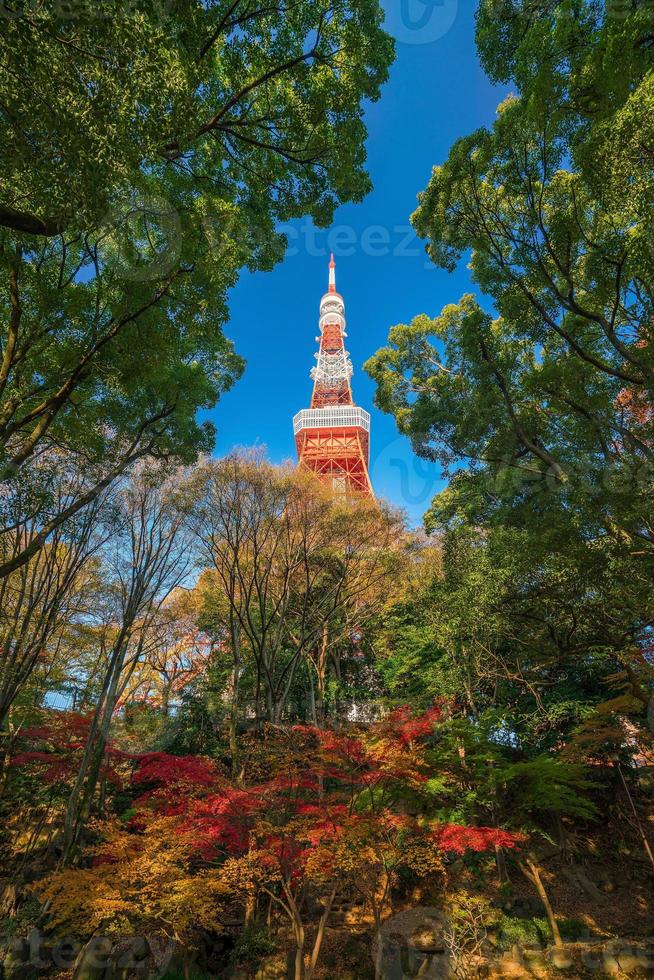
321	670
165	698
82	792
292	909
298	931
532	874
376	912
234	707
312	700
250	907
233	745
320	935
234	751
500	863
646	844
82	802
8	743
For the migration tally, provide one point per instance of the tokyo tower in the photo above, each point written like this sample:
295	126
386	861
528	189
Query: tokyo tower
333	436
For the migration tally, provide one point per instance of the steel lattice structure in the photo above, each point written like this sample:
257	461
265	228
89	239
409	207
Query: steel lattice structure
333	436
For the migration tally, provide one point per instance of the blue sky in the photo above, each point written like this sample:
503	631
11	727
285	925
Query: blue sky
437	92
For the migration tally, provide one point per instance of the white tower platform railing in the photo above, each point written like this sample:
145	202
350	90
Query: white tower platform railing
332	417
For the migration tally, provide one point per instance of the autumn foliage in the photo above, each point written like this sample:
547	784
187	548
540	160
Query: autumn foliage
341	811
53	749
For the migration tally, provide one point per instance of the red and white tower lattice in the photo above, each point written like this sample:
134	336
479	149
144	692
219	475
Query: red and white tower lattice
333	436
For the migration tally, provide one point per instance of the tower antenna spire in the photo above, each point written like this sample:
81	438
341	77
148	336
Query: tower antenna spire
333	435
332	275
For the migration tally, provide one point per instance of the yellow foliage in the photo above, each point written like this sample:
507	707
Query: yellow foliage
139	882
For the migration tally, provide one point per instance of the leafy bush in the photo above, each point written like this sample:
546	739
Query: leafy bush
536	931
523	932
252	945
572	930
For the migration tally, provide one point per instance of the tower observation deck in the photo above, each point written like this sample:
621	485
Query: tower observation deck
332	437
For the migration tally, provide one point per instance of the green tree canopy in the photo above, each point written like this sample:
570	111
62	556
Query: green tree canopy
254	103
149	153
552	390
536	395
